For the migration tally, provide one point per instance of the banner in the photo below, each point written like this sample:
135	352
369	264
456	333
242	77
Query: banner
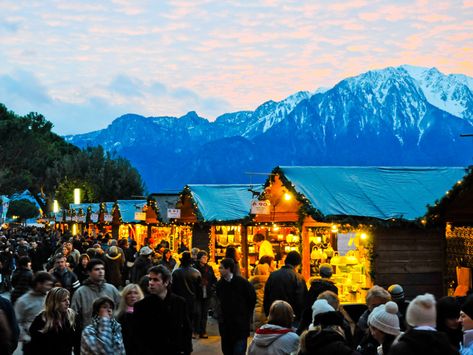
174	213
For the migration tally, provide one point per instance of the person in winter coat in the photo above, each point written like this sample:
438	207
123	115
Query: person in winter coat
207	292
448	320
325	336
422	338
21	279
28	306
114	262
56	329
186	282
81	269
288	285
276	337
131	294
63	275
466	320
317	286
237	301
258	281
161	319
168	260
142	264
9	330
104	335
384	325
93	288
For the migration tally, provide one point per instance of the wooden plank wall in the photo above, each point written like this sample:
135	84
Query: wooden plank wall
413	258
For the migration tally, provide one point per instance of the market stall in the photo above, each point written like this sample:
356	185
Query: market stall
359	218
217	215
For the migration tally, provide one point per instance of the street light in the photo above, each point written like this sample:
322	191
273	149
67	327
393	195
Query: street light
55	206
76	196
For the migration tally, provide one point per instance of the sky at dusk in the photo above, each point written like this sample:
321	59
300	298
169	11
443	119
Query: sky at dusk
84	63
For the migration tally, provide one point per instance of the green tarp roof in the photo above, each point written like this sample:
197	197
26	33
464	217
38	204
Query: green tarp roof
219	203
380	192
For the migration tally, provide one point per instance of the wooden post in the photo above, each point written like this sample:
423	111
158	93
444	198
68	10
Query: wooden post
305	253
212	244
244	249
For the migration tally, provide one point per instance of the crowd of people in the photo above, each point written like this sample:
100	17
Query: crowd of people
97	295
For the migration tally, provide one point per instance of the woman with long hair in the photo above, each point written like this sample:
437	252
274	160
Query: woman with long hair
232	253
55	330
131	294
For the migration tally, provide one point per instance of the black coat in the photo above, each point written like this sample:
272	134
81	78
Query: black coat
140	268
161	326
186	282
57	342
125	321
8	346
237	301
21	281
422	342
287	285
324	342
208	278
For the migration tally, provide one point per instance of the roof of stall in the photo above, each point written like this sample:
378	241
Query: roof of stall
379	192
164	201
127	208
219	203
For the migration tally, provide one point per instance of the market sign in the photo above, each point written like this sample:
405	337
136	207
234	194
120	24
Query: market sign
81	219
94	217
260	207
140	216
174	213
107	217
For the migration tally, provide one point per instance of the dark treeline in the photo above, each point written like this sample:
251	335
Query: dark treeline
33	157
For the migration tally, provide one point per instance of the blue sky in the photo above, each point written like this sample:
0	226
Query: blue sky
84	63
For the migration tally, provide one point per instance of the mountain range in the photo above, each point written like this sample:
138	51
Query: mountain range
395	116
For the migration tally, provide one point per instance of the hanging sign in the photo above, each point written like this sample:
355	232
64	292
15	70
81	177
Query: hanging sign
81	219
260	207
140	216
174	213
94	217
68	218
107	217
75	218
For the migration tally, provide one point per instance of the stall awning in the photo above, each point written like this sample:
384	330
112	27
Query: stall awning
379	192
219	203
128	209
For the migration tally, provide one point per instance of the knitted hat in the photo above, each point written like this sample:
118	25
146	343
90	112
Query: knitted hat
326	270
321	306
384	317
467	306
397	292
146	251
422	311
113	251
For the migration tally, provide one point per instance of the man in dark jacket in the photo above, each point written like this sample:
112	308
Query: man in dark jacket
288	285
207	291
64	277
161	319
237	299
186	282
21	279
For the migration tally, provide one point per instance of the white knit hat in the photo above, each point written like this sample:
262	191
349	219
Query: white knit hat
422	311
384	318
321	306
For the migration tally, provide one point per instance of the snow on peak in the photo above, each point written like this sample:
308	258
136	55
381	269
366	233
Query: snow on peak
451	93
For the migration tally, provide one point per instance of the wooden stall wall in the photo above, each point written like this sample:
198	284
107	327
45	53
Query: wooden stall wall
201	236
413	258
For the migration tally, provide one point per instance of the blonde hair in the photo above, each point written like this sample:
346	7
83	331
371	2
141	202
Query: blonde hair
126	290
53	317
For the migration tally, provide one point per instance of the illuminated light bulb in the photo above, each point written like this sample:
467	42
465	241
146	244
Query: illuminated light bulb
287	196
334	228
363	236
275	227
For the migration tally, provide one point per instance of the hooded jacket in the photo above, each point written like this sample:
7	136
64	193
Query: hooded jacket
324	342
419	342
85	296
273	339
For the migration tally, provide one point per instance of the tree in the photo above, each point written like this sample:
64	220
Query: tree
23	208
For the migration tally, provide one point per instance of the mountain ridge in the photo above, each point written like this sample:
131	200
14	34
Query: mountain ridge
394	116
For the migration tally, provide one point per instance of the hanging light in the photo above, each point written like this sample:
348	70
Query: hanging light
55	206
76	196
334	228
364	236
287	196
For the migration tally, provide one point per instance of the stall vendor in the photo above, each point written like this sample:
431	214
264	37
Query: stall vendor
265	247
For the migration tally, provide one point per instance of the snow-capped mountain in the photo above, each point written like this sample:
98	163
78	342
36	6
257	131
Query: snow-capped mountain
394	116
